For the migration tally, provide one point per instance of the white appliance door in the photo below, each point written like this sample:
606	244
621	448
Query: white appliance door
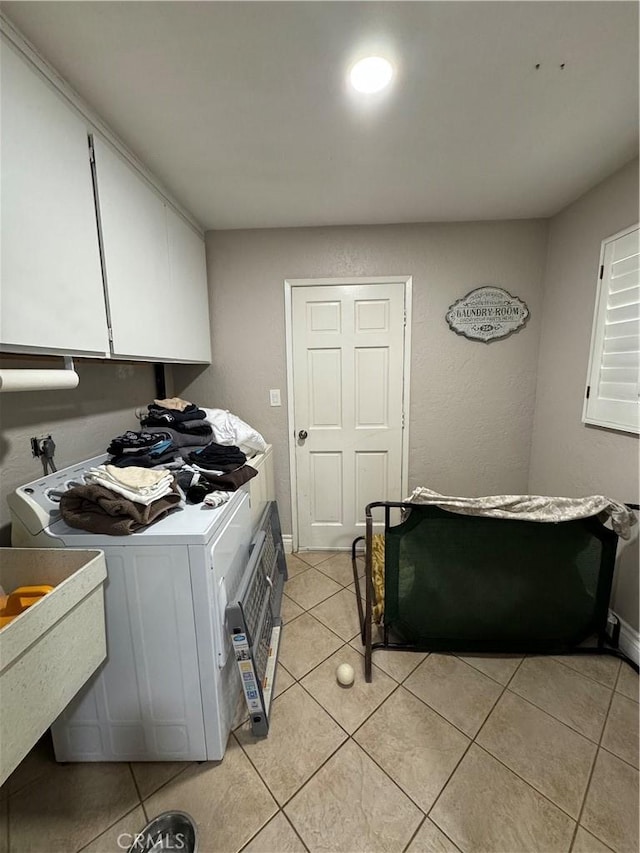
144	705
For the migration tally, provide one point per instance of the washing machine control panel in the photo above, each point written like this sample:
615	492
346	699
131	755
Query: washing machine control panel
36	504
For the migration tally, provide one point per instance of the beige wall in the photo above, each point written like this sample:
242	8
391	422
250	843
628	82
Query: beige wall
471	403
81	421
567	457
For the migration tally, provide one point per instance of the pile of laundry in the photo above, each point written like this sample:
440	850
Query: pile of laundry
119	501
214	467
142	449
184	422
206	450
179	435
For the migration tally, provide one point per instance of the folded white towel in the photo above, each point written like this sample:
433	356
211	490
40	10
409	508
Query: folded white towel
145	499
142	481
135	478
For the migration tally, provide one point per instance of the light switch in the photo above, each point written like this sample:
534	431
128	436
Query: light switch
274	397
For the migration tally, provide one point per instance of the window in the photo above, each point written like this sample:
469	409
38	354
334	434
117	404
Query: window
613	381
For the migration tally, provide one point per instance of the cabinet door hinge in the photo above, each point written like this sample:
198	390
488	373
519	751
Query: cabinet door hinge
601	272
588	391
92	153
110	334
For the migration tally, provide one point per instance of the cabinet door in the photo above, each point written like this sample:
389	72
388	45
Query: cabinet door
136	258
52	297
188	273
155	268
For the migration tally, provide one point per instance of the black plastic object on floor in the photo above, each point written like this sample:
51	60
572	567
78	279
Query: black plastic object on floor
169	831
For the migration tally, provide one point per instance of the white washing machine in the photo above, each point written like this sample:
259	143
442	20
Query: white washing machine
170	686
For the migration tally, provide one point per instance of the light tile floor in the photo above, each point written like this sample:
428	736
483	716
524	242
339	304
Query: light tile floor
438	754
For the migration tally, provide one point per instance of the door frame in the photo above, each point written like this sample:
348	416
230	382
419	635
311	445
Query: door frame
289	284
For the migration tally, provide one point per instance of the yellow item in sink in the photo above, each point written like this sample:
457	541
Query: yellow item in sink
19	600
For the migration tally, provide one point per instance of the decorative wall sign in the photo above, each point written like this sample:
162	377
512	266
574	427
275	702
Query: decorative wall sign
487	313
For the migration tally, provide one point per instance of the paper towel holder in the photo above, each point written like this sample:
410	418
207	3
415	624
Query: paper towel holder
40	380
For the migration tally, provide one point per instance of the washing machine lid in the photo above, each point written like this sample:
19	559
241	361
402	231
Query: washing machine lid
188	525
37	510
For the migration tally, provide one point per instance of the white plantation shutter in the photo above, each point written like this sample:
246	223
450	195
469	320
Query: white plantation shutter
613	383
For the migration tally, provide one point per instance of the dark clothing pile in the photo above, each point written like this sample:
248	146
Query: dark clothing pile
100	510
230	481
142	449
200	483
183	439
192	420
218	457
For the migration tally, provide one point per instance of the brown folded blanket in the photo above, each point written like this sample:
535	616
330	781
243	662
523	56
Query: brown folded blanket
100	510
232	480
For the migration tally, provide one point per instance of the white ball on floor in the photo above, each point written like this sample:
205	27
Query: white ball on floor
345	674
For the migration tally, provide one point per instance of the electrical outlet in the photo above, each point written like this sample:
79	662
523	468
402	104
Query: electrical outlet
274	397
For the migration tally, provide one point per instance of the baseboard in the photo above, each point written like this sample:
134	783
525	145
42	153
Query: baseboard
629	640
287	541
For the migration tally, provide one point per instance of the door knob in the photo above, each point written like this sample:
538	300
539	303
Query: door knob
302	434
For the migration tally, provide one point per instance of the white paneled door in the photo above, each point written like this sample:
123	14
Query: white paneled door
347	356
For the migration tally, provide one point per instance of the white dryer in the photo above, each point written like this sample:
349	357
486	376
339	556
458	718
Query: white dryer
170	686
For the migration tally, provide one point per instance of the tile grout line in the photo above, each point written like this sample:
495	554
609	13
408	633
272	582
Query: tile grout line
418	828
374	760
584	674
473	740
316	604
569	725
330	554
135	781
270	821
557	719
260	777
281	806
286	817
505	687
172	779
623	760
469	745
636	697
111	825
342	641
590	778
334	595
348	738
526	781
576	821
343	585
427	818
366	719
450	722
522	779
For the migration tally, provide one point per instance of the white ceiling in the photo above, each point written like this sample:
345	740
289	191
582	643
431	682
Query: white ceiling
242	111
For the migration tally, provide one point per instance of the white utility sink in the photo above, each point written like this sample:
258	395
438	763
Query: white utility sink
50	650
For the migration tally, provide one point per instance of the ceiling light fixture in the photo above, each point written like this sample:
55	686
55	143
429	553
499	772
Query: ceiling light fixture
371	74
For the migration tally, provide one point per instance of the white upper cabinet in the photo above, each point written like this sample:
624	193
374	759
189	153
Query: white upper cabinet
154	268
188	276
51	294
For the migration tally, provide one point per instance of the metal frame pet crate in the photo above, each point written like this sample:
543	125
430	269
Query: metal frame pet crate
253	619
461	583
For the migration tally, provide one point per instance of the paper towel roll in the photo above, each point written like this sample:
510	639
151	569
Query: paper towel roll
38	380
